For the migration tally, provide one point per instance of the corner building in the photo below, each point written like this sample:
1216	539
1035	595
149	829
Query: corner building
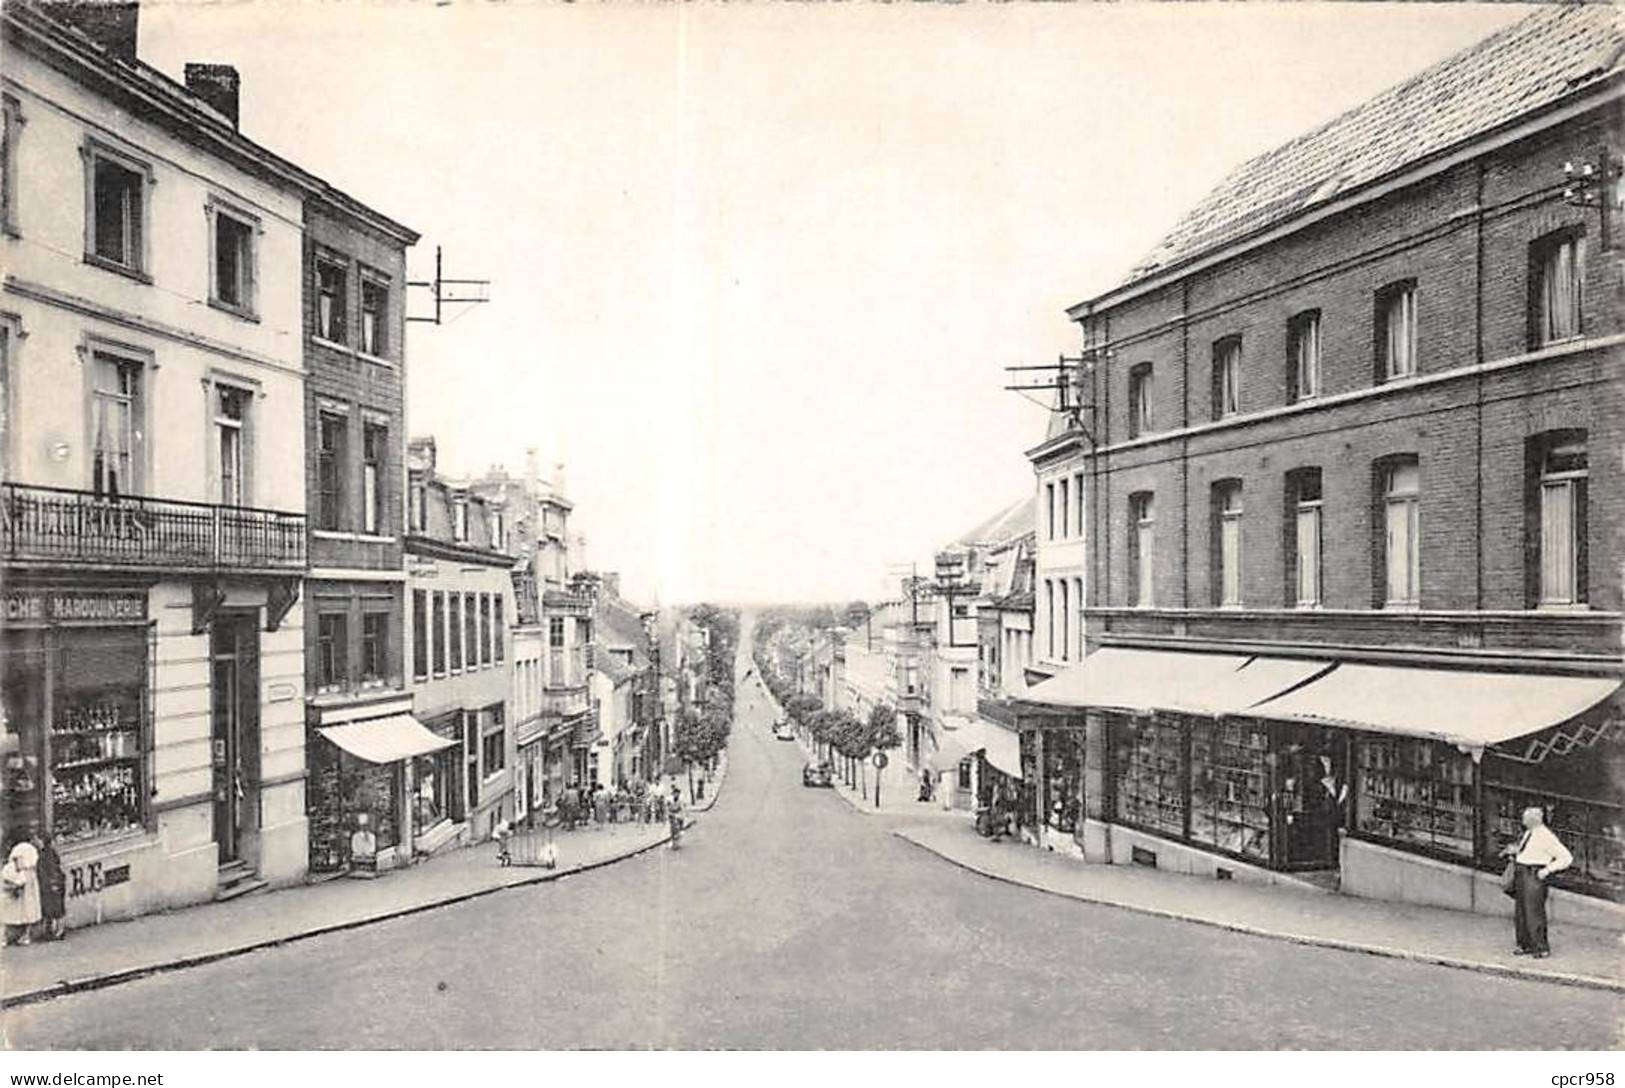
1349	443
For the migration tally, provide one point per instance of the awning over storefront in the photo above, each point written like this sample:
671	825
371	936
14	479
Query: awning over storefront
385	740
1146	679
1003	748
948	756
1471	709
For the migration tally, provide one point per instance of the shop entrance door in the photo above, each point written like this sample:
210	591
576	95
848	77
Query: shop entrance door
1312	794
234	728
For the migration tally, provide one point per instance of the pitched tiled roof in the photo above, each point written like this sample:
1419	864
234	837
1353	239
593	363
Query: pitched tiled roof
1531	64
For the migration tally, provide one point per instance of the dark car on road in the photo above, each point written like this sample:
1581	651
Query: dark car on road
782	731
817	774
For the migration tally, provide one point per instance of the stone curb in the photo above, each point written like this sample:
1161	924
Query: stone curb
114	978
1560	978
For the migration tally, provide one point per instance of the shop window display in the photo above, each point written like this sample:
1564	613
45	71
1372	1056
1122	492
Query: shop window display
1415	793
1148	774
91	687
1230	787
1063	779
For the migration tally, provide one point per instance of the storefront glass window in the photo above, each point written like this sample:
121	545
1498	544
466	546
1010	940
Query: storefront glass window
430	802
1063	779
1594	832
1230	787
1415	793
1148	764
98	722
22	731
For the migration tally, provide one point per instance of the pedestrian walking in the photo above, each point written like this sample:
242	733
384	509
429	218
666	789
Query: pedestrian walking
19	892
925	784
53	888
600	805
501	832
1535	857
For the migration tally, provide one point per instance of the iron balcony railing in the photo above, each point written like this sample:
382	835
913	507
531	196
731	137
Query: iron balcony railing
59	525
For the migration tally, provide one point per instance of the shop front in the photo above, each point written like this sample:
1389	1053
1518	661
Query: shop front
361	803
1394	782
437	809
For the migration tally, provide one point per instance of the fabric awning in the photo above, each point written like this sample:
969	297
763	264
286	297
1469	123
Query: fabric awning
949	754
1003	748
1124	679
385	740
1471	709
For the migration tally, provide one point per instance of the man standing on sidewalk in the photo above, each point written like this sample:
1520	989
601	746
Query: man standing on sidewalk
1537	856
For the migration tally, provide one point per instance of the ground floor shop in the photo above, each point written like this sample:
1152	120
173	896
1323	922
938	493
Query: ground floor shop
152	729
1398	783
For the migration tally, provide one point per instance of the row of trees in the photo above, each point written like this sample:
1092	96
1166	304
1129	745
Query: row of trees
702	727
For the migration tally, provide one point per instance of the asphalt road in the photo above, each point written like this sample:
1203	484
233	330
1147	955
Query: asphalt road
789	921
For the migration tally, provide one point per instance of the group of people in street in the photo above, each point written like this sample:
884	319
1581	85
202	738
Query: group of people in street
33	891
598	806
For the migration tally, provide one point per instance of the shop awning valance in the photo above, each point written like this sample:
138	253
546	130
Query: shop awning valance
949	754
385	740
1143	680
1467	708
1003	748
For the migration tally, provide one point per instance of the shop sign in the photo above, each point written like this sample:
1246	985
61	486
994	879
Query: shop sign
46	605
91	878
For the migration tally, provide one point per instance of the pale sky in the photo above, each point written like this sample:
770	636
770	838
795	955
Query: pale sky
757	267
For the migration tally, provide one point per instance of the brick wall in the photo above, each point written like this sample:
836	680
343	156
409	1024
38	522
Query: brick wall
1464	237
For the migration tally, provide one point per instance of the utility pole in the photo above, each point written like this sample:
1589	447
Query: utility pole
476	291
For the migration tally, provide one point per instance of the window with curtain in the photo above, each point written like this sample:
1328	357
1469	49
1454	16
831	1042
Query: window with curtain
1303	354
332	439
1226	377
1142	547
1066	624
1049	505
1139	400
437	627
1077	494
1396	330
471	631
331	316
374	456
1564	475
420	634
1049	612
1304	508
230	417
1558	263
1402	498
115	414
1066	517
1227	536
454	627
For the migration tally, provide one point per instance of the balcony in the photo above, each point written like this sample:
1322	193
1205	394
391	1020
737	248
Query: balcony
57	527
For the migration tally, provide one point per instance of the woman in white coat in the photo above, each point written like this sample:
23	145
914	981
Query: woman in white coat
19	892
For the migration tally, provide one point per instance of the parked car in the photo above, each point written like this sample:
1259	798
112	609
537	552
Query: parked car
782	731
817	774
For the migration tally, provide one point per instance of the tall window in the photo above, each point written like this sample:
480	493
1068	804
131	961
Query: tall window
230	415
374	316
374	646
1226	377
331	301
455	626
1141	547
374	456
497	628
332	649
117	211
1066	517
115	424
1077	609
497	535
471	632
233	271
1049	612
420	634
1139	400
1560	469
1303	356
333	438
1557	269
1066	623
1402	563
1049	503
485	627
1396	330
437	627
1077	494
419	501
555	652
1227	543
1303	498
11	110
494	743
459	520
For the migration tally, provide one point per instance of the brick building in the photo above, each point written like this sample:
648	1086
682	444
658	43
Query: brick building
1349	439
358	708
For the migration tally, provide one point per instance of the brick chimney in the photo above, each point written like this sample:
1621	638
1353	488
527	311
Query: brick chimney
217	84
111	24
420	453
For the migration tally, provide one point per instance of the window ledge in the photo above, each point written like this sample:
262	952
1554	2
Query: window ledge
1562	607
378	359
242	313
331	345
343	534
124	270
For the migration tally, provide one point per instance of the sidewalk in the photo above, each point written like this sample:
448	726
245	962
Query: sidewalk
98	956
1593	958
899	794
